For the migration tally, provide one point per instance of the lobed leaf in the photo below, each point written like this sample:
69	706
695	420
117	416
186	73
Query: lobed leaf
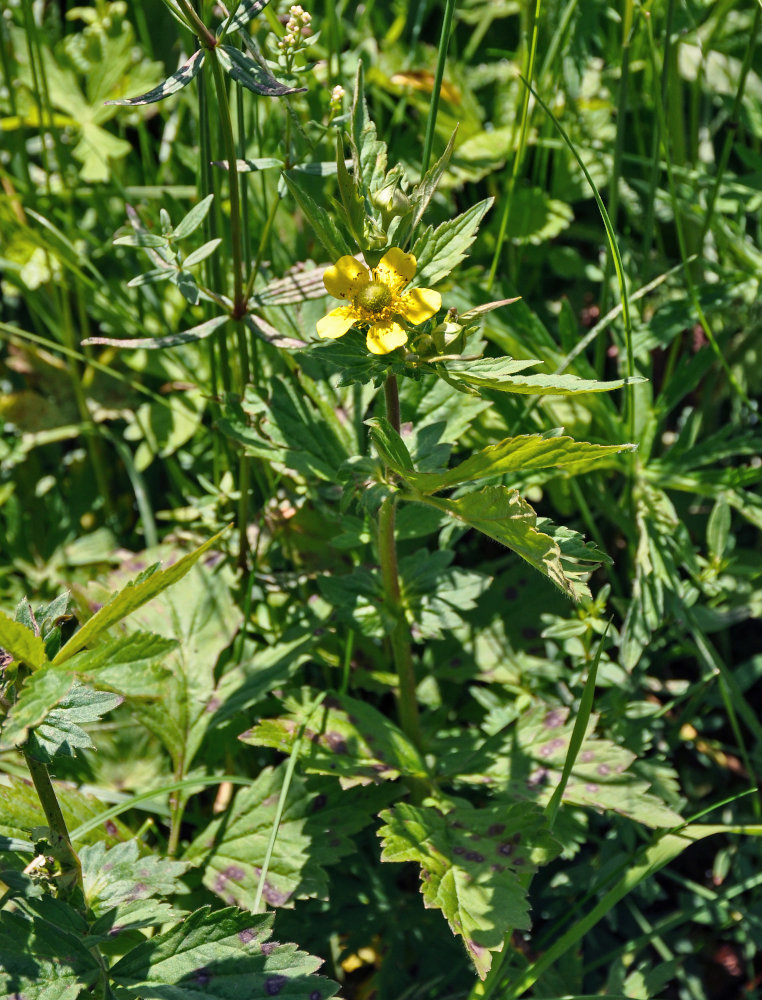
471	861
21	643
222	953
133	596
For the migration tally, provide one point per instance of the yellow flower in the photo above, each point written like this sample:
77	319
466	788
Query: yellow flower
376	300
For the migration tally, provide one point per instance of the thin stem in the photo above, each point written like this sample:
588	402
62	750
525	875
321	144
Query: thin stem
519	157
444	40
71	869
407	704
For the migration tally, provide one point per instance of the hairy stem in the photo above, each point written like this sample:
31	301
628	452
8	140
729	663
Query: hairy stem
71	870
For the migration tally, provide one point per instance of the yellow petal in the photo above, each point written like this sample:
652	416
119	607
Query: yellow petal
396	268
345	278
419	304
336	323
385	337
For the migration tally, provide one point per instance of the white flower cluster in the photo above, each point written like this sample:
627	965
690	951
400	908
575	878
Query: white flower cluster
297	27
337	94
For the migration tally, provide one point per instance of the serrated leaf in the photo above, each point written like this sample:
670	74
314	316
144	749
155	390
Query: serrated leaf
499	374
224	953
132	597
347	738
22	643
40	961
41	693
504	515
60	733
131	665
390	446
21	812
422	193
252	75
439	251
120	886
471	860
435	593
528	761
232	848
187	72
518	454
323	225
200	332
368	152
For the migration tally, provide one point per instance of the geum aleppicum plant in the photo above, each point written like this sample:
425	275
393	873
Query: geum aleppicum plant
481	888
377	301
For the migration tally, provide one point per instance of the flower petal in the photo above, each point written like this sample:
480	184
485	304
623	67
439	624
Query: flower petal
419	304
336	323
385	337
396	268
345	278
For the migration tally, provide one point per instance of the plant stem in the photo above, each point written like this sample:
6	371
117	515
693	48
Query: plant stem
71	869
407	704
444	39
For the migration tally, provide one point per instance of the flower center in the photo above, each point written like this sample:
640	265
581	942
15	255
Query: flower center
375	296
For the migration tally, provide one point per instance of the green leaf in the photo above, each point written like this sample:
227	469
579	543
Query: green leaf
528	761
133	596
311	836
224	953
252	75
60	733
390	446
535	217
22	643
200	332
132	665
41	693
204	251
322	223
192	219
286	430
422	193
121	886
499	374
347	739
471	862
187	72
368	152
351	198
518	454
505	516
440	251
244	12
40	961
21	812
435	593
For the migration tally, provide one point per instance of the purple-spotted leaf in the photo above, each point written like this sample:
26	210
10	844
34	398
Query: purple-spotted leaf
471	864
252	75
346	738
187	72
221	954
312	833
530	761
121	887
